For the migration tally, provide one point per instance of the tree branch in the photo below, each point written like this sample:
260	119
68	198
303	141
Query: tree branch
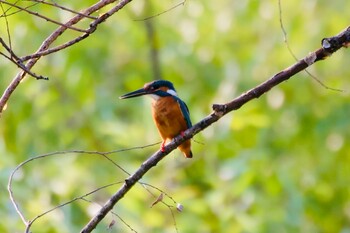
54	4
329	46
40	16
44	49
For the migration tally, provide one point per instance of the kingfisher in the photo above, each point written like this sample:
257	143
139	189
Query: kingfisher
170	113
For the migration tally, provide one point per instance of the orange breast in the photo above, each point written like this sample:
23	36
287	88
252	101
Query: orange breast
168	117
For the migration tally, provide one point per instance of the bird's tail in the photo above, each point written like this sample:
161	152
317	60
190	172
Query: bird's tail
185	148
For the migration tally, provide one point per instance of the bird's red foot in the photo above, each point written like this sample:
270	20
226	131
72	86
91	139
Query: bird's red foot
162	149
182	133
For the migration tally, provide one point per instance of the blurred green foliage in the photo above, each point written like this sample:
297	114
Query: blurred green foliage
279	164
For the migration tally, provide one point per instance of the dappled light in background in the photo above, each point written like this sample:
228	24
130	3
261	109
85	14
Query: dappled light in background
279	164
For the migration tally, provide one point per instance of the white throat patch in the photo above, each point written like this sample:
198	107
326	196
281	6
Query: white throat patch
155	97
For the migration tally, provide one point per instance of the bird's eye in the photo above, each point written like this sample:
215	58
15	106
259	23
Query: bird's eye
154	87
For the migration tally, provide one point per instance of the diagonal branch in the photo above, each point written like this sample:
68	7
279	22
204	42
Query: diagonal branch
40	16
44	49
54	4
93	27
329	46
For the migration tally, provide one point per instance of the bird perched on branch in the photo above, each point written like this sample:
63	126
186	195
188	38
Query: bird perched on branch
170	113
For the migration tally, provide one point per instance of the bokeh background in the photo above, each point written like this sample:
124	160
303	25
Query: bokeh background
279	164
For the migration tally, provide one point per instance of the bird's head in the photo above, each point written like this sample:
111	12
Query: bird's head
156	89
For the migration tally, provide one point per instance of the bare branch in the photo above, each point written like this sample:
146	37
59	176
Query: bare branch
63	8
16	60
329	46
93	27
16	11
103	154
23	67
82	197
7	27
8	49
44	48
41	16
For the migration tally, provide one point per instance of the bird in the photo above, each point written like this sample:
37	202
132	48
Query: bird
170	114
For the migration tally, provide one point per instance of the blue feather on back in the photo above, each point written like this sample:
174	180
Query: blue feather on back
185	111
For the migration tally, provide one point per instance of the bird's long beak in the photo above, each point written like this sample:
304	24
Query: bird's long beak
136	93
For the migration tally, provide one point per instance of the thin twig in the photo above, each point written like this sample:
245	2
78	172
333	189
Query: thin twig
285	38
7	27
54	4
42	16
16	10
170	207
115	214
29	223
93	27
23	67
104	154
163	12
8	49
14	59
82	197
58	32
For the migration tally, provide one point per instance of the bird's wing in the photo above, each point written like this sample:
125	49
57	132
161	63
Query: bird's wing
184	110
